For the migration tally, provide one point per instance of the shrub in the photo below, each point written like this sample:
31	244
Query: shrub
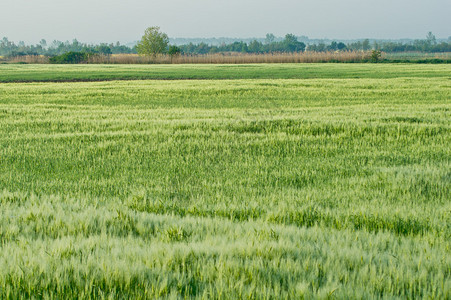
174	51
376	56
70	58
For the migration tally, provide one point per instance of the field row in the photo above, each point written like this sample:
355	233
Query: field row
32	73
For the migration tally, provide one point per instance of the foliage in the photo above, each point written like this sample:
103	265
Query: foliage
270	44
430	39
9	48
153	42
270	38
291	44
174	50
375	56
104	49
70	58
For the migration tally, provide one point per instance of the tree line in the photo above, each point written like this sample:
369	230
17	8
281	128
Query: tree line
9	48
291	44
160	43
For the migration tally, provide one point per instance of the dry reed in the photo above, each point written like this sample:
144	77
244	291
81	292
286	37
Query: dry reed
235	58
217	58
29	59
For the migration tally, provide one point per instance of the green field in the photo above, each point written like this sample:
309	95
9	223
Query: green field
57	73
283	181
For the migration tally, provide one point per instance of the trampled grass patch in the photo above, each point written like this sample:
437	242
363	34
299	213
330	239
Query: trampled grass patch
240	188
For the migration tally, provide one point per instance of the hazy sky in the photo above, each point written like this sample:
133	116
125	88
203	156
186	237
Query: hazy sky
126	20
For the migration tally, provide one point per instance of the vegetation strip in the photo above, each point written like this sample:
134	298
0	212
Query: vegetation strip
82	73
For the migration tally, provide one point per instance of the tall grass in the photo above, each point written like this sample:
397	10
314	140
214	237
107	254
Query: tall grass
239	58
243	58
28	59
219	58
251	188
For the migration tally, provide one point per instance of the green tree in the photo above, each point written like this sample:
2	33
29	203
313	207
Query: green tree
104	49
255	46
153	42
366	45
43	43
341	46
291	43
174	51
270	38
333	46
431	40
375	56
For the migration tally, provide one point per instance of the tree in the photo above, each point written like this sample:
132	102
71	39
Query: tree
291	43
174	51
153	42
255	46
43	43
341	46
375	56
333	46
202	48
366	45
269	38
103	49
431	40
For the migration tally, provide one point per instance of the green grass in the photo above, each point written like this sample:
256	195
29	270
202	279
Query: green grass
30	73
249	188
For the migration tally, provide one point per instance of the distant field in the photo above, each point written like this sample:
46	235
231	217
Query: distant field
285	181
30	73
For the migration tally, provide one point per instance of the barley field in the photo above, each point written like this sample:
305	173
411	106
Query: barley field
245	182
88	73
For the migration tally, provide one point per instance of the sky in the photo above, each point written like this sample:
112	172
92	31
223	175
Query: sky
94	21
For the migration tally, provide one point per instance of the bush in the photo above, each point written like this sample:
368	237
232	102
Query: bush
71	58
174	51
376	56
